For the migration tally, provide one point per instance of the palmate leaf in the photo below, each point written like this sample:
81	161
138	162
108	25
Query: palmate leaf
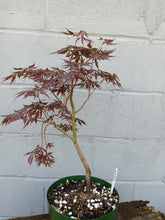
41	156
82	36
20	73
29	114
35	92
107	41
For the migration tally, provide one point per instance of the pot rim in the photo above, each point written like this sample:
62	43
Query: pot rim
79	177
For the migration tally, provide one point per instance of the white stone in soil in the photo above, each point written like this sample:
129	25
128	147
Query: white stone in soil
96	205
114	206
101	203
64	202
91	207
74	200
70	213
75	197
92	200
88	205
56	201
66	194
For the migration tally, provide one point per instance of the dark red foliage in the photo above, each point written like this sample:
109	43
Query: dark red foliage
54	88
41	156
107	41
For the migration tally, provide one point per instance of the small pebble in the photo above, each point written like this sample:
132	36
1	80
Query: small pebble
90	207
56	201
113	207
96	205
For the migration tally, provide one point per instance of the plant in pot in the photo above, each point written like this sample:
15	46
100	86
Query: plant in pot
80	197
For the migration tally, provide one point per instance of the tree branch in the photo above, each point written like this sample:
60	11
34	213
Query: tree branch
61	130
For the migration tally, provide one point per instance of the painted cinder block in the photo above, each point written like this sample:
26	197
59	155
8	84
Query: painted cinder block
136	159
139	66
117	17
124	115
22	14
24	49
125	190
155	19
20	197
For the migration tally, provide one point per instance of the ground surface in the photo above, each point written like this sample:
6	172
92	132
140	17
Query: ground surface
134	210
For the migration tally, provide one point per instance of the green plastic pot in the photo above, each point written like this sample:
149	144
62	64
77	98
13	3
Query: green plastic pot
57	216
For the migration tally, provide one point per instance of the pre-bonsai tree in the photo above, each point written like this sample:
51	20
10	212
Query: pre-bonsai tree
53	94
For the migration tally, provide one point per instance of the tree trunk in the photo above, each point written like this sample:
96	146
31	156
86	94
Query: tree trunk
86	166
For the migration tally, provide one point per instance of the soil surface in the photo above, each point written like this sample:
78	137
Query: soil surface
70	199
134	210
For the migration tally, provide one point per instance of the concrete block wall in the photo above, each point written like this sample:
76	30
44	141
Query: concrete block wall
125	128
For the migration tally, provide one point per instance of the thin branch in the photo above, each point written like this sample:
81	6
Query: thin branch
73	116
89	94
45	134
65	105
61	130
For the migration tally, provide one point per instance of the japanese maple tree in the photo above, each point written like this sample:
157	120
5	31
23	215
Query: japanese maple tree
53	94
